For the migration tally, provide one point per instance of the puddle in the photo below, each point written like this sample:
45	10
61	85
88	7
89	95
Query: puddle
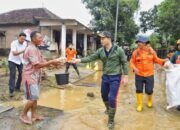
64	99
68	98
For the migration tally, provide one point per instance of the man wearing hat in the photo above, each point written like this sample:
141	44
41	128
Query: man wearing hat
142	62
175	59
114	65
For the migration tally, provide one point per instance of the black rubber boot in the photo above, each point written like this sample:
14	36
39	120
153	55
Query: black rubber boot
111	114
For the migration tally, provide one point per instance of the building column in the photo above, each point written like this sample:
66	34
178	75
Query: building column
52	40
63	40
85	44
74	38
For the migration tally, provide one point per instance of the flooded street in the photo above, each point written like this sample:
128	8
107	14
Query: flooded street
90	116
87	113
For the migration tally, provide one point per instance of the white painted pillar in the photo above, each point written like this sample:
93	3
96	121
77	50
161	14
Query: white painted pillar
74	38
85	44
63	40
52	40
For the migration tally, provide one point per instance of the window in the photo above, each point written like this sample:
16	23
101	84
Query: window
2	39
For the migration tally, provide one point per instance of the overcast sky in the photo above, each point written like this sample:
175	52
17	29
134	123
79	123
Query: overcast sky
64	8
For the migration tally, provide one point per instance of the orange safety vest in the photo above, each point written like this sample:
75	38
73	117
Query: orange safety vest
144	61
70	53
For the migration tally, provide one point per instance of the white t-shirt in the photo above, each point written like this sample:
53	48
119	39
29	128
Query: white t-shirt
16	46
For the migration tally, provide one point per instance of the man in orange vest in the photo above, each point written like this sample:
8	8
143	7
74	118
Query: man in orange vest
70	54
142	62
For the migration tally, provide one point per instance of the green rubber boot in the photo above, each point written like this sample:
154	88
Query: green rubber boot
107	107
111	114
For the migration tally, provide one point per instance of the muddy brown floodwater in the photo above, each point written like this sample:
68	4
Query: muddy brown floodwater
87	113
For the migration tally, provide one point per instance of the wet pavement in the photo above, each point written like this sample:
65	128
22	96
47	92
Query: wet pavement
87	113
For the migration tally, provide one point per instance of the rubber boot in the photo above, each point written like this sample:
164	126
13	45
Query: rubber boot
111	114
139	102
107	107
149	101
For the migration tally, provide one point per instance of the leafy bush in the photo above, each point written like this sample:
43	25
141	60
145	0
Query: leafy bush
4	64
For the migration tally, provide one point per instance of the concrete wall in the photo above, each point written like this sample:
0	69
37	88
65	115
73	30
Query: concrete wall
12	33
46	31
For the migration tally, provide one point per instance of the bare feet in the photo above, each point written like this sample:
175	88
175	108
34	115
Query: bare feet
37	118
25	119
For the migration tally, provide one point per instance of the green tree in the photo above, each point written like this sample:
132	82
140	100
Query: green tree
148	19
104	13
155	41
164	19
169	18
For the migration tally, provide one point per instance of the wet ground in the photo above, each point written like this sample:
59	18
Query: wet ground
91	117
81	112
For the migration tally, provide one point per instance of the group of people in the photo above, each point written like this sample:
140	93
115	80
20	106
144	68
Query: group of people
27	58
115	71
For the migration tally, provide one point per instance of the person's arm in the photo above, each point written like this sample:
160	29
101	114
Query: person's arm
14	50
47	63
158	60
123	60
30	55
16	53
132	63
90	58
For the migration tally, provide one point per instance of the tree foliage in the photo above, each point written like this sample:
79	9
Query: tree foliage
104	13
148	19
164	19
155	41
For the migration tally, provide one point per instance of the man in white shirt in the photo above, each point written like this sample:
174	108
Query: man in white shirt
15	61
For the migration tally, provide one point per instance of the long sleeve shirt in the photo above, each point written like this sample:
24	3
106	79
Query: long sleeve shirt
113	64
144	60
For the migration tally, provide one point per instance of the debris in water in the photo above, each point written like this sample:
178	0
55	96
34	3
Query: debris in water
90	94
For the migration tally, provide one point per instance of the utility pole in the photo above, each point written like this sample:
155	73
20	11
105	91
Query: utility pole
42	3
116	25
